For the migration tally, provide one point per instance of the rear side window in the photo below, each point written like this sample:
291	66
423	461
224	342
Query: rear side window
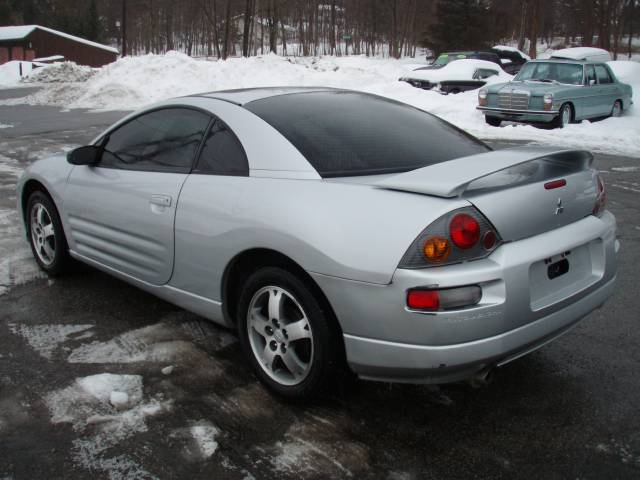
164	140
222	153
350	133
483	73
602	74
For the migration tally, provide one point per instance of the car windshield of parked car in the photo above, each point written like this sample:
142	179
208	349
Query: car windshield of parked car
569	73
447	58
350	133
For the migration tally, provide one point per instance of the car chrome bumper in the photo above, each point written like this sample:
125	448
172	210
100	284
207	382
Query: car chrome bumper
506	111
385	341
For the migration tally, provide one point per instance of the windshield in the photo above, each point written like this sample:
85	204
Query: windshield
446	58
569	73
350	133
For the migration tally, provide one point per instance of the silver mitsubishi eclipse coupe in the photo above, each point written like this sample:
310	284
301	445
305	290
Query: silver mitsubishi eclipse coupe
333	228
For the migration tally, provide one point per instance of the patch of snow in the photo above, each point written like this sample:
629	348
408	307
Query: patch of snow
60	72
204	435
5	125
86	402
161	342
132	82
582	53
298	455
461	70
45	339
508	48
10	72
167	370
625	169
119	400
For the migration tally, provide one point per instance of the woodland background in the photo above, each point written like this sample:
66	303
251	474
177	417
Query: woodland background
395	28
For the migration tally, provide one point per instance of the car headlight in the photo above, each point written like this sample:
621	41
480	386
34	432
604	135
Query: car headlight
482	96
547	100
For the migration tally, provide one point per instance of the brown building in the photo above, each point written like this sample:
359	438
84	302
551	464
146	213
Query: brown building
28	42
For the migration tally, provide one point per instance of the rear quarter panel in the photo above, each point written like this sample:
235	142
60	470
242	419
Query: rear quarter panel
351	231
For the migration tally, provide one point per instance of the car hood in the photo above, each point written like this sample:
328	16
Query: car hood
534	88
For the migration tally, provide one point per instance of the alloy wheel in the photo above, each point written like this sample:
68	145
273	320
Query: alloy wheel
280	335
43	235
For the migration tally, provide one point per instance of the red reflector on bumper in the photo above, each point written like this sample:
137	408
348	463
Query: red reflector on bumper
423	299
555	184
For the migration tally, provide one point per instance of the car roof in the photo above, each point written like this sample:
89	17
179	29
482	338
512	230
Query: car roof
562	60
242	96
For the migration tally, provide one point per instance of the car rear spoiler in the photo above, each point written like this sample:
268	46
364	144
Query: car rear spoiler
451	178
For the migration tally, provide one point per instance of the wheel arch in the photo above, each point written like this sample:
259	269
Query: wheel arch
245	263
30	186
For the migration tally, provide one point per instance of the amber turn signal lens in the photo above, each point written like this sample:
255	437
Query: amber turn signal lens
436	249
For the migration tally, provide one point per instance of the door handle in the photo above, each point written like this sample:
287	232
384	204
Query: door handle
161	200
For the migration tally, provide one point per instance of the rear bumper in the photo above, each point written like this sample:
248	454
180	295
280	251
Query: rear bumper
528	116
398	362
386	341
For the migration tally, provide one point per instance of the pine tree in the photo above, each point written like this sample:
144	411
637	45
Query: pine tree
460	25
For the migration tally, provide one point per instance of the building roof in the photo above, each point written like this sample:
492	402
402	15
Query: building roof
19	32
243	96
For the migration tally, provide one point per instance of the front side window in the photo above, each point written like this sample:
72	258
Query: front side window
602	74
163	140
222	153
350	133
569	73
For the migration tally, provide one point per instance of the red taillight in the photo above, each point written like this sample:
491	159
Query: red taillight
464	231
555	184
489	240
432	300
423	299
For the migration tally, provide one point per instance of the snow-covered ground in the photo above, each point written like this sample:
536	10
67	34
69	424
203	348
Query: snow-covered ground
133	82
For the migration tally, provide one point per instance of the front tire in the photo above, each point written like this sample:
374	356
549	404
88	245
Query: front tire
564	117
493	121
46	235
286	335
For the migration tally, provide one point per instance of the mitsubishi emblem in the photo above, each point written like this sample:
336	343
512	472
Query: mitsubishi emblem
559	207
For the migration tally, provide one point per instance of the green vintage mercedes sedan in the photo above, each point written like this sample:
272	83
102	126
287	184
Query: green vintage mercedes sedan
556	92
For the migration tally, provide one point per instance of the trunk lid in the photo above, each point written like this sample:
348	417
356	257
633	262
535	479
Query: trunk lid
512	187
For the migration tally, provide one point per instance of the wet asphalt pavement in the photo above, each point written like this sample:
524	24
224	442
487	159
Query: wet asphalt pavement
569	410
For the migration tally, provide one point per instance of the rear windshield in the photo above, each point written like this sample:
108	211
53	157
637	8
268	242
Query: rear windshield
350	133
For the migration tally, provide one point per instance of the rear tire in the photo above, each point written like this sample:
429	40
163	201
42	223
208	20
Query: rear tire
493	121
616	110
46	235
288	338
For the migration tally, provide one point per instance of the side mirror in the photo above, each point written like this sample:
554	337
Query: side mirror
87	155
592	82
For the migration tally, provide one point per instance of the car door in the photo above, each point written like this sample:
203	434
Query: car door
121	211
606	90
212	206
591	99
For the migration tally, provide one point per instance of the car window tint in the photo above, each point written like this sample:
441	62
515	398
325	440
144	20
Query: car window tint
162	140
222	153
483	73
350	133
591	74
602	74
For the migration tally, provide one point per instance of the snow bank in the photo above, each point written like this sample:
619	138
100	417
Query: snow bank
10	72
133	82
60	72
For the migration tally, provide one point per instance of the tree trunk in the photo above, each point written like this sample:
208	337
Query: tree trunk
246	27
